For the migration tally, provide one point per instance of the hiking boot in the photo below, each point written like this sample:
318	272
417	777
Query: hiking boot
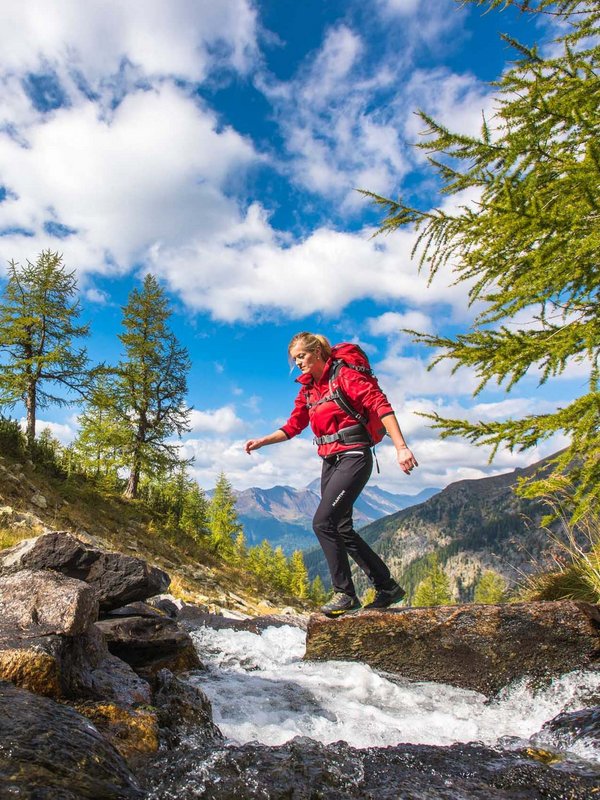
387	597
339	604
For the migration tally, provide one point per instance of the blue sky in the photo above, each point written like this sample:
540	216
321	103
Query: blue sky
219	144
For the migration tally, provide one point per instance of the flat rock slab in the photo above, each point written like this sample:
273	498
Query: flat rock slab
478	647
49	751
118	579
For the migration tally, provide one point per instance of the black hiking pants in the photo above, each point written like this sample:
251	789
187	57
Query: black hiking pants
342	480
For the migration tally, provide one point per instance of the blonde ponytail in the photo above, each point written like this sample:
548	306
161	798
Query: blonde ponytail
311	343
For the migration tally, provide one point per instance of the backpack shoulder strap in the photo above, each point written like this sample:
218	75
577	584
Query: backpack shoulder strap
339	396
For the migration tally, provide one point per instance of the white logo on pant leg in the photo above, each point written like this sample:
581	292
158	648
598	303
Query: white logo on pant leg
338	498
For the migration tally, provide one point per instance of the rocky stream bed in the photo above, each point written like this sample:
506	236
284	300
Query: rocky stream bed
104	686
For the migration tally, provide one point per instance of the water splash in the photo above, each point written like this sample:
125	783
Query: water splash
262	691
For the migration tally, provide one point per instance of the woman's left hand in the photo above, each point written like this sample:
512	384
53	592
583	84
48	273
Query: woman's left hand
406	460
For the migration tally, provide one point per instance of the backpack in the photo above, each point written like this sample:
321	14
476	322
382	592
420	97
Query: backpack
354	357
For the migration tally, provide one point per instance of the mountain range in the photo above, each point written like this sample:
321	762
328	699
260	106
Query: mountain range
283	515
470	526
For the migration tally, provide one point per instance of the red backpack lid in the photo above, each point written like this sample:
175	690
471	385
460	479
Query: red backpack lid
351	354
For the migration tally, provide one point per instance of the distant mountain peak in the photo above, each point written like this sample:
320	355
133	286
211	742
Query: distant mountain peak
283	515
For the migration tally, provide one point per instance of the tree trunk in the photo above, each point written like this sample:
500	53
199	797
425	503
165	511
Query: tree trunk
30	404
131	490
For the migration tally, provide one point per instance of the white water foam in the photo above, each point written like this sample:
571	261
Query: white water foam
261	690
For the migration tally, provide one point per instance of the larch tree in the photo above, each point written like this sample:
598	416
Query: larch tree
194	514
299	584
41	362
222	518
150	385
434	589
490	588
317	592
529	246
239	556
281	570
103	434
261	561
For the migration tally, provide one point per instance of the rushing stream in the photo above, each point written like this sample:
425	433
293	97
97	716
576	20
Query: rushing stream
338	730
261	690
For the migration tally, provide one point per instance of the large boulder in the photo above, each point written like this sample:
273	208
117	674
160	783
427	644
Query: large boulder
479	647
49	751
48	602
40	612
49	645
95	673
118	579
65	667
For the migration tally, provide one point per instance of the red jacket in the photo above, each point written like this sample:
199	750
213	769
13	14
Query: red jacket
327	418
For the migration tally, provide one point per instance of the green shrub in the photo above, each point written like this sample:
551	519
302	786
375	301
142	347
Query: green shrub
12	439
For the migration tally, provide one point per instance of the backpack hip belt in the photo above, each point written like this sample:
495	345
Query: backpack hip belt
353	434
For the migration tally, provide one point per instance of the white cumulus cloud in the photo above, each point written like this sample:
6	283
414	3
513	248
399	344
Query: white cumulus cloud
95	38
218	421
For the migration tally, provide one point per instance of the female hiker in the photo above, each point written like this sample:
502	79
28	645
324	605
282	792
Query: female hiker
348	413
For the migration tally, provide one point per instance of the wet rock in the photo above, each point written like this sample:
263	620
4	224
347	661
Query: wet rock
183	709
47	601
132	732
572	728
36	663
479	647
193	617
115	680
93	672
118	579
36	658
149	644
49	752
304	769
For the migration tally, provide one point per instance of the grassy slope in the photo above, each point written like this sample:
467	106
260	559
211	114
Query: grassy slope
113	523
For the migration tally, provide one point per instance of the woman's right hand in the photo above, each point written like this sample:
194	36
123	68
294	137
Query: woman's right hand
271	438
253	444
